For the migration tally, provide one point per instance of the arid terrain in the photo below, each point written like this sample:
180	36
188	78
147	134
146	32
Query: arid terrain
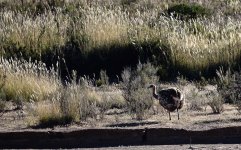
157	117
193	120
84	66
119	124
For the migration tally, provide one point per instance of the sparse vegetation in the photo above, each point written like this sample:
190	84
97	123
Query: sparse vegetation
229	86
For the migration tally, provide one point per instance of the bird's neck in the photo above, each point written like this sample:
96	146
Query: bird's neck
154	92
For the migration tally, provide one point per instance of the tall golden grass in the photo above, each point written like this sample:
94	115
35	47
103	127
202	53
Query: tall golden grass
195	43
28	80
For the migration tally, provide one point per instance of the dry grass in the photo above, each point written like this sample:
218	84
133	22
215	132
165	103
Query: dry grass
194	44
93	107
28	81
57	104
47	111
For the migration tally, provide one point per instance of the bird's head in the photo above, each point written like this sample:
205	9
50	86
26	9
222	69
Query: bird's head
151	86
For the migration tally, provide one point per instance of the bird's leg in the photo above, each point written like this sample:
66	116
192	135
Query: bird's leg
177	114
169	115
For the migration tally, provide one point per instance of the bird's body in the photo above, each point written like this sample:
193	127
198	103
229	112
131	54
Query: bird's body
171	98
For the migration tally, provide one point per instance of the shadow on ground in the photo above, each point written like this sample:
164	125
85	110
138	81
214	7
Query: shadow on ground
219	121
133	124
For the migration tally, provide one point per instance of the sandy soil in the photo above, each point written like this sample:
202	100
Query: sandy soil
203	119
14	120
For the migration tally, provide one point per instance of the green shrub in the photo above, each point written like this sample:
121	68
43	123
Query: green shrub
139	103
196	101
78	102
136	94
229	85
216	103
188	11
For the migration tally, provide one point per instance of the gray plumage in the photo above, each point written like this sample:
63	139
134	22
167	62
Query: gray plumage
171	98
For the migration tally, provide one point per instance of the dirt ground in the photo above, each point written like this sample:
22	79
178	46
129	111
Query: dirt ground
203	119
174	147
14	120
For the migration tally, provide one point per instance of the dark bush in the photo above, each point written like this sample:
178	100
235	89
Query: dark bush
128	2
229	86
188	11
34	8
137	96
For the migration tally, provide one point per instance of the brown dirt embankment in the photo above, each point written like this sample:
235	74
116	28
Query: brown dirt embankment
117	136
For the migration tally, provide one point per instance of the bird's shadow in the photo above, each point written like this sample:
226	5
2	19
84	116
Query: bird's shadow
133	124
